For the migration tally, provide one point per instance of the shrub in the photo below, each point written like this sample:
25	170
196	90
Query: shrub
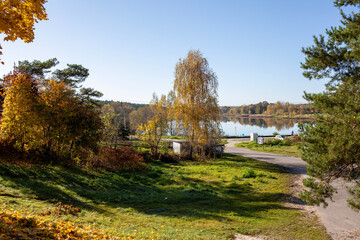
10	154
278	142
248	173
116	159
295	139
273	142
286	142
169	158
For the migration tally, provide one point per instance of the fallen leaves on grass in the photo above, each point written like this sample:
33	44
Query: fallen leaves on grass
15	226
62	209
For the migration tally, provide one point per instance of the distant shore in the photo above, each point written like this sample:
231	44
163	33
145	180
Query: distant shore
305	116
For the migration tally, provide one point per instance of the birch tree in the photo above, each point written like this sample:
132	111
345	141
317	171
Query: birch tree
196	105
157	126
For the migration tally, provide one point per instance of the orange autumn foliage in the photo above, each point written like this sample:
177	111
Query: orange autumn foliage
47	117
13	225
17	18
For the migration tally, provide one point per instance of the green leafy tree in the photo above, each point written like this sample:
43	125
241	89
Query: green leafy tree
114	129
331	146
115	116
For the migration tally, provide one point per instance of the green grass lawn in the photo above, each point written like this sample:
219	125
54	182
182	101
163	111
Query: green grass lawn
283	150
187	200
174	137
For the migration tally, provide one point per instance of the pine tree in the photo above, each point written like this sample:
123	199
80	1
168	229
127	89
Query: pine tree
331	146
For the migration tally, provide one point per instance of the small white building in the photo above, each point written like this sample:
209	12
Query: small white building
253	137
177	147
181	146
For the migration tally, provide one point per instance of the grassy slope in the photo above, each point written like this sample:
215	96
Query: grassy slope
186	200
283	150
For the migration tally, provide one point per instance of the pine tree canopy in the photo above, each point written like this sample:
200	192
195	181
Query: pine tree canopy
331	145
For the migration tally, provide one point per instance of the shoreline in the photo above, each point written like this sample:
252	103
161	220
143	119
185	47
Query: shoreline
312	116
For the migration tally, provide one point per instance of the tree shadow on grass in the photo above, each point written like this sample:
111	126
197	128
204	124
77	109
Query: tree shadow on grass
44	185
233	161
152	192
47	192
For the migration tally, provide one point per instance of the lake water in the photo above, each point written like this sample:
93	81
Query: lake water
262	126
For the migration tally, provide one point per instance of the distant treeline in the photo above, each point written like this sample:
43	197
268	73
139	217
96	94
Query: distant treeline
264	107
135	106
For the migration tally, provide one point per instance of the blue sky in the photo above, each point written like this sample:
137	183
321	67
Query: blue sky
131	47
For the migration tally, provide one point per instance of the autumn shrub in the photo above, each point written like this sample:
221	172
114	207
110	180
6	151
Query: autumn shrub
116	159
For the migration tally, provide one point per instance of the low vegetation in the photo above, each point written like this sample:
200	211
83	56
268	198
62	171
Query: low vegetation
183	200
288	147
116	159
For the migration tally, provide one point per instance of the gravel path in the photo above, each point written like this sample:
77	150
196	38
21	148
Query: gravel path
340	221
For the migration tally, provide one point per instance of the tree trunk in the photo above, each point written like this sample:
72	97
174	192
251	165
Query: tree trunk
71	146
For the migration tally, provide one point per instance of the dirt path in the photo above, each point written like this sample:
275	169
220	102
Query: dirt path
340	221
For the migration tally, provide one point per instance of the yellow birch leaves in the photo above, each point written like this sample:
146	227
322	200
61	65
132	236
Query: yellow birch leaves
196	105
